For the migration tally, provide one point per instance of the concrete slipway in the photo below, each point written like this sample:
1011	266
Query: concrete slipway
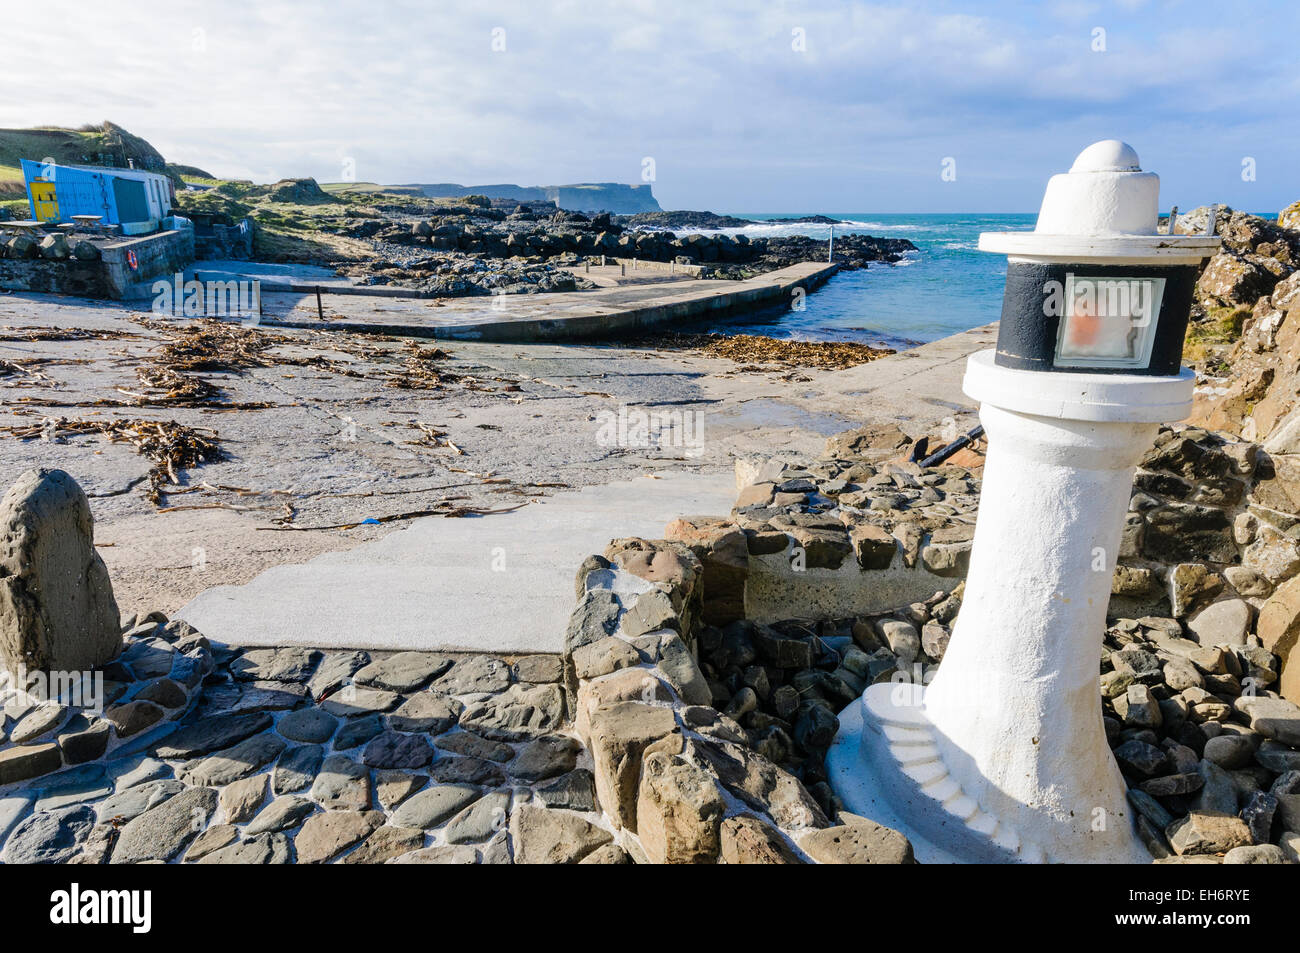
650	299
504	583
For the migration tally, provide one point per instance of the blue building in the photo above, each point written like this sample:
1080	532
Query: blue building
137	201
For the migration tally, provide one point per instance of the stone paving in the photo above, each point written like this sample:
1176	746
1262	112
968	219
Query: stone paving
213	755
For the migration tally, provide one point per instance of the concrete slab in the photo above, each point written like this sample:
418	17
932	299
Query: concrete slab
618	309
499	584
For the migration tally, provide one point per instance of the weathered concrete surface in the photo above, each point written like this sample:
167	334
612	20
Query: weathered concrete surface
545	432
495	584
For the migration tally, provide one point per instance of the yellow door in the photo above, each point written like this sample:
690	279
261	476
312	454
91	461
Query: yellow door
46	202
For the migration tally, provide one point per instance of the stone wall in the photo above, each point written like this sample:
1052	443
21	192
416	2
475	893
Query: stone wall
160	255
82	278
677	780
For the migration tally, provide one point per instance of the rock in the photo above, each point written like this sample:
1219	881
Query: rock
822	548
619	736
782	651
1207	833
636	684
85	251
607	854
356	731
57	611
85	744
467	770
49	837
545	758
325	836
384	844
211	734
393	749
450	854
679	667
164	692
429	808
426	711
341	785
1172	784
40	719
392	786
22	762
272	848
282	814
480	821
1258	814
934	640
901	637
748	840
55	247
241	799
161	832
595	618
214	838
472	746
233	763
604	656
1255	854
296	769
859	841
518	713
307	725
1218	792
473	675
1279	629
1140	758
575	791
679	811
539	669
1230	751
1138	708
1189	584
351	701
547	836
334	670
133	802
133	717
1274	718
1221	623
275	665
873	546
651	612
403	671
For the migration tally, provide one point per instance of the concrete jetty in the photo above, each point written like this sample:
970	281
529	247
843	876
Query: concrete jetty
289	300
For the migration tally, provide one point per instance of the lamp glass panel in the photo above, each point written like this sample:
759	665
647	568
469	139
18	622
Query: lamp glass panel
1108	322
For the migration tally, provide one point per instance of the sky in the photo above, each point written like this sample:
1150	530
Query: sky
727	105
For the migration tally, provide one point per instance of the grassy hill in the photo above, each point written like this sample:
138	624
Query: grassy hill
105	144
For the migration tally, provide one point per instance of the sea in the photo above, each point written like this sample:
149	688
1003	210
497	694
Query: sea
943	287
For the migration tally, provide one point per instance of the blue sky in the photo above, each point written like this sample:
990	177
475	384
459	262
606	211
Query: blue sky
743	105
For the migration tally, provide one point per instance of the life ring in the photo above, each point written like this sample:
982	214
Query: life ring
132	260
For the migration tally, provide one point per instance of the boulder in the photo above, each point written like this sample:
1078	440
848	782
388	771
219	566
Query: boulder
55	247
86	251
679	811
620	735
1278	629
859	841
57	611
749	840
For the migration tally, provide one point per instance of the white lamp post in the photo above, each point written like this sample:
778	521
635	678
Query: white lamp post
1003	757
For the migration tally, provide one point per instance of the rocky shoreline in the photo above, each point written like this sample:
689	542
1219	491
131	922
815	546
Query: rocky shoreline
477	249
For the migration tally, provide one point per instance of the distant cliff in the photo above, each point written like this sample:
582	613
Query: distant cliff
584	197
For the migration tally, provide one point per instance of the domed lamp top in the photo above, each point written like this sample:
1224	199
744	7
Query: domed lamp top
1108	155
1104	209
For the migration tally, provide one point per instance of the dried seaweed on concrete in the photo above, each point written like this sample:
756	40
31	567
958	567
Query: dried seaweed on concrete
754	348
11	333
169	446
